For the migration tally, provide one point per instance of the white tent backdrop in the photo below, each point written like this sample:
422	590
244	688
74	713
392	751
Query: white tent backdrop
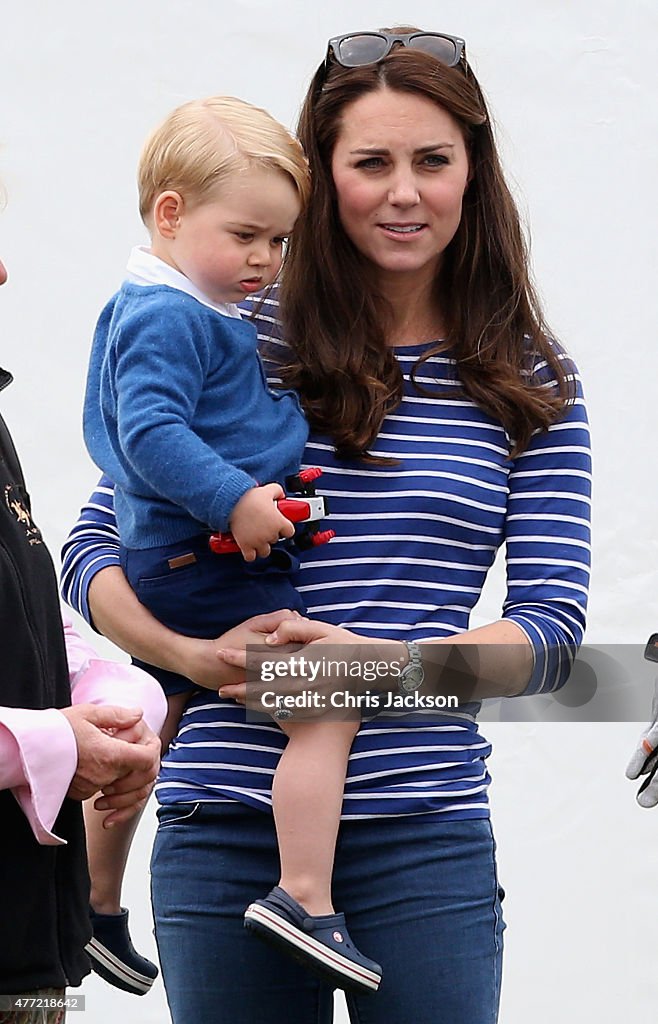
572	87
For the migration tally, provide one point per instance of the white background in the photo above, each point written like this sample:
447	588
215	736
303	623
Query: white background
572	86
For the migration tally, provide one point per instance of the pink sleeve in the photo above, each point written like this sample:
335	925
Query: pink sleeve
38	758
38	754
97	681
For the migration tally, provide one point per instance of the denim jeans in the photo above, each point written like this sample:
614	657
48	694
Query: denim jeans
420	894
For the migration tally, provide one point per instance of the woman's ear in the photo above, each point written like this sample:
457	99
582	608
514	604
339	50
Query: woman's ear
167	213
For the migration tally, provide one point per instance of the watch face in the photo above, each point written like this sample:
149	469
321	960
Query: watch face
412	678
413	673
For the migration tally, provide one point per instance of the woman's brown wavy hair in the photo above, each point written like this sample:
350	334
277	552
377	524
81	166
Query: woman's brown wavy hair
336	321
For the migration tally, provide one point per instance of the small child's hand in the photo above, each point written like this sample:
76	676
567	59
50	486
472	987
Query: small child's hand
256	522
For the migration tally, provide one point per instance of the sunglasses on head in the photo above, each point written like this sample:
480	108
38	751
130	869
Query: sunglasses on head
357	49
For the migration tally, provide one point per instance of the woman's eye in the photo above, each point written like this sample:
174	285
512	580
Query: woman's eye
371	162
435	160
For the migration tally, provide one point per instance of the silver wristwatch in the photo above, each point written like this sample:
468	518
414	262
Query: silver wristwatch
413	673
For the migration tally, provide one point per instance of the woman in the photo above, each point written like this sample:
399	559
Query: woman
446	423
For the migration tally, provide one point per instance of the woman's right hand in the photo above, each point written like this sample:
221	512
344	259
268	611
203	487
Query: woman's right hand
200	660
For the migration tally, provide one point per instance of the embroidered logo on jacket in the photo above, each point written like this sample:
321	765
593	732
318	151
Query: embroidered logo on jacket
14	497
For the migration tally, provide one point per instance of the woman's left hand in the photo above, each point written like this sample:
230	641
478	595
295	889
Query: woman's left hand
302	644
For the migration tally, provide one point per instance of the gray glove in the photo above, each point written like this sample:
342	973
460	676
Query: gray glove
645	760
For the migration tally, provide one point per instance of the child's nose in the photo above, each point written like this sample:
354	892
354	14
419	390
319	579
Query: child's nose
260	256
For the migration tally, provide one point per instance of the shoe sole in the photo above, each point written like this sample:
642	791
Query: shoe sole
315	955
114	971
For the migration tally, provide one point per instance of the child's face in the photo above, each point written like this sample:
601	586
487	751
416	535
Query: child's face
232	245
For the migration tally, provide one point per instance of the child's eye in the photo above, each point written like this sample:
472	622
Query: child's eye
245	236
279	240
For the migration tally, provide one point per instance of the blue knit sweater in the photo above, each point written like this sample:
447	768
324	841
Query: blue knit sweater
178	413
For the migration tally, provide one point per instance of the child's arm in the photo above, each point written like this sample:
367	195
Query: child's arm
159	367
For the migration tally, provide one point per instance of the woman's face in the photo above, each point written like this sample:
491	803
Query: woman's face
400	169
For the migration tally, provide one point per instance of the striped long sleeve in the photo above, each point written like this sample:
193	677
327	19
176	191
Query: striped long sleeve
415	540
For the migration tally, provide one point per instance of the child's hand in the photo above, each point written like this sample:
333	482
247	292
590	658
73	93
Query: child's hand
256	522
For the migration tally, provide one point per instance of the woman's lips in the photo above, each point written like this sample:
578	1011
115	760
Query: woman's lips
402	231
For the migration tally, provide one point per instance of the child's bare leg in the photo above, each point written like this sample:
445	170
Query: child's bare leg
108	848
176	703
298	915
307	796
107	852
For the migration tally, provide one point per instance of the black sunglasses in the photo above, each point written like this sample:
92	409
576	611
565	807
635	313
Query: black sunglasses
357	49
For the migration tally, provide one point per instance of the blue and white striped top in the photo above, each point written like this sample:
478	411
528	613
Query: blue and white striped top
414	542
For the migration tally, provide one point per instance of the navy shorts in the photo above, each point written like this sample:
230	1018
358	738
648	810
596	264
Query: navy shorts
195	592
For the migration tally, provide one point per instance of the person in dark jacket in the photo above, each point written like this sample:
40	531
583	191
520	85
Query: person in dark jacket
68	729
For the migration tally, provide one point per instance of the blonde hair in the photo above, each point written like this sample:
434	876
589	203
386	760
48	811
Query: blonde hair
203	142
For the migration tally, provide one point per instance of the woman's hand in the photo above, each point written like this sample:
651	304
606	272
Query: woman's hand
307	631
300	631
490	661
305	657
202	661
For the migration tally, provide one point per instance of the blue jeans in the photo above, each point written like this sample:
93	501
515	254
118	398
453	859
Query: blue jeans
421	898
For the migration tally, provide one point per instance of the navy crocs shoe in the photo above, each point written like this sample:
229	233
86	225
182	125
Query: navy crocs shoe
113	956
321	943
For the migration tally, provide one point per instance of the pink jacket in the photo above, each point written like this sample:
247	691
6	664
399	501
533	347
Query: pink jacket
38	754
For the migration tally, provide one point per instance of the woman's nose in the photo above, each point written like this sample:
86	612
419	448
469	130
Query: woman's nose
403	190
